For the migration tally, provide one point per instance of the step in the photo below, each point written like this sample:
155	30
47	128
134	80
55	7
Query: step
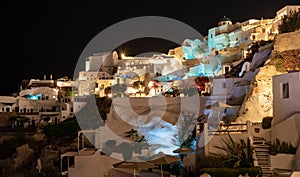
264	166
263	155
261	146
261	150
268	172
258	142
257	137
263	159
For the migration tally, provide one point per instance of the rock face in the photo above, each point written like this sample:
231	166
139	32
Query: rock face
39	136
287	41
259	101
49	156
24	157
291	59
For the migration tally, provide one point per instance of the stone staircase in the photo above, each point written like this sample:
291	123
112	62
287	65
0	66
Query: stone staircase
261	149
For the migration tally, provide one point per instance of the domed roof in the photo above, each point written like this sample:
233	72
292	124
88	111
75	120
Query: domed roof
224	19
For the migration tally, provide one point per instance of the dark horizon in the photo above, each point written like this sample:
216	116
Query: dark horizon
43	38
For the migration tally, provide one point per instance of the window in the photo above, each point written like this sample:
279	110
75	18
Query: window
285	90
224	85
227	68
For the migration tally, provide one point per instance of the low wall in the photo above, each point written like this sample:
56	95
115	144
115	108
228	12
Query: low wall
282	161
287	41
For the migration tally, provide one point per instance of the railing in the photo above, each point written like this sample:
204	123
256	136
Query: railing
208	133
223	128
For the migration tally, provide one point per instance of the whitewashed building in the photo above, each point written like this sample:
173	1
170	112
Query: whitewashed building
43	102
7	103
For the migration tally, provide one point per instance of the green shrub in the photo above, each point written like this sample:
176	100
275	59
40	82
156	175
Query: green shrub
281	147
68	128
238	155
266	122
228	172
189	172
210	162
290	22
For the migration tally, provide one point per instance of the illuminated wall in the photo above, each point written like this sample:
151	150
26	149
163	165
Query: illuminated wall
194	48
285	96
102	61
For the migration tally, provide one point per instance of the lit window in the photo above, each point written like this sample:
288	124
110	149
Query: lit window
285	90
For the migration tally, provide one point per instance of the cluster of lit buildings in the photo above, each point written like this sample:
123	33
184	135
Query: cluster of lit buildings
224	44
108	74
41	101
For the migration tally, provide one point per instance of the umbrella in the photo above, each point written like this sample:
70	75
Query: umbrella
183	150
162	158
219	105
134	165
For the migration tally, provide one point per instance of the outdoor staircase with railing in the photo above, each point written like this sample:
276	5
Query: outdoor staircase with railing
261	150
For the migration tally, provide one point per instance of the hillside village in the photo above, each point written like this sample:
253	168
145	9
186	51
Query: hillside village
241	79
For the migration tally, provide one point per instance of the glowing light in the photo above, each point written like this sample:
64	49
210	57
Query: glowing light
34	97
122	55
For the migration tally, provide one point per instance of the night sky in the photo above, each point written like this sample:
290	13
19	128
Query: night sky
47	37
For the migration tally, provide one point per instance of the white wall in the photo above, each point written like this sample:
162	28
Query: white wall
66	113
264	133
286	41
79	103
87	76
92	165
282	161
285	107
218	85
5	102
36	105
217	140
86	87
287	130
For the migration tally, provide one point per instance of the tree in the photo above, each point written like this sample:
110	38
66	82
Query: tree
290	22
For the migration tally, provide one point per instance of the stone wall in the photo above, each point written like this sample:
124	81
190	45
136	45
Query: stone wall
287	41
